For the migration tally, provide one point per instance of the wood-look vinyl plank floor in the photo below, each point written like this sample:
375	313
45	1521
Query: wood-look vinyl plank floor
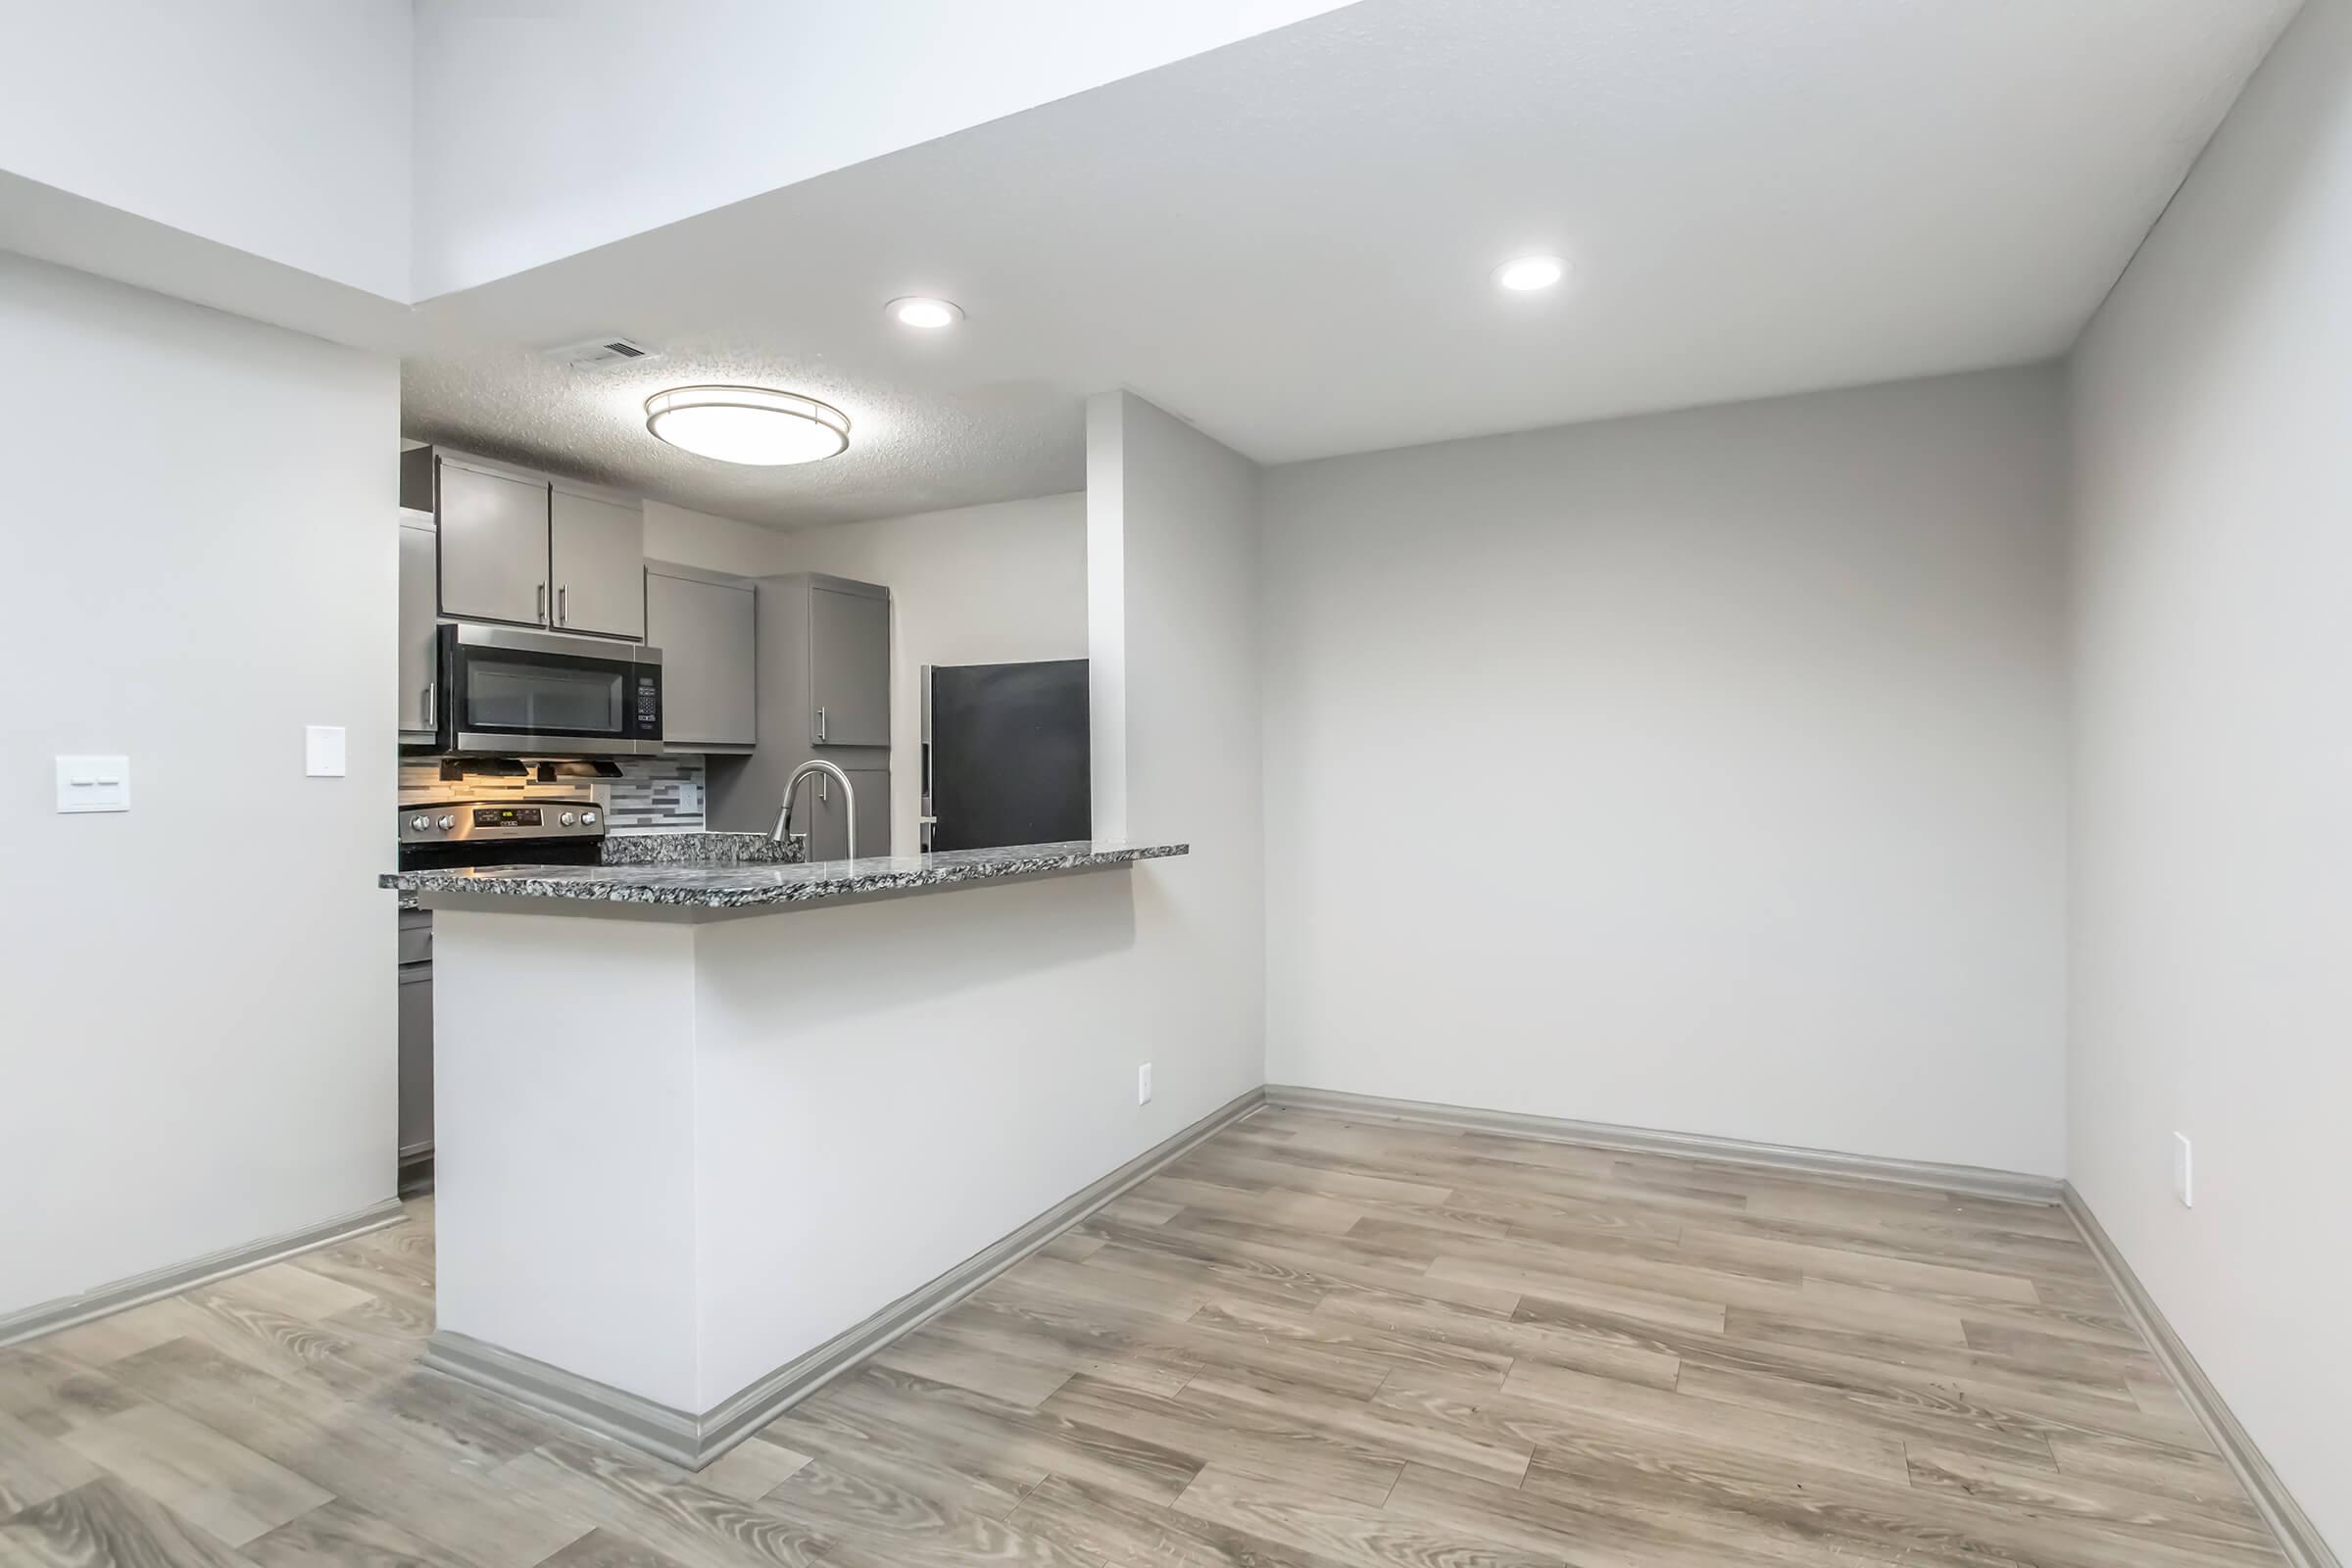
1314	1342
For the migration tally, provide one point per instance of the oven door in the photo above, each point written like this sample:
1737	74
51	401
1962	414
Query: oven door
504	692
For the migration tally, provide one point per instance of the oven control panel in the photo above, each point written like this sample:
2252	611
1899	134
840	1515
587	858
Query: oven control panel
456	821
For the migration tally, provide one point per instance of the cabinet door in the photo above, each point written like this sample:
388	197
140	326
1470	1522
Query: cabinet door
416	624
848	667
706	632
416	1058
493	547
596	553
829	818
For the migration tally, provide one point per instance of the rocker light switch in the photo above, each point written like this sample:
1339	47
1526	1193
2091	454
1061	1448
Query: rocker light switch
93	783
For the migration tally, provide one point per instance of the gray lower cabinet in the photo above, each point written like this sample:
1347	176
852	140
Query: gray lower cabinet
828	822
493	545
416	1062
418	651
596	561
849	663
706	625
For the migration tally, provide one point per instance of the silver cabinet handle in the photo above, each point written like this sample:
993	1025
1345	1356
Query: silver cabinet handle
820	724
564	606
539	603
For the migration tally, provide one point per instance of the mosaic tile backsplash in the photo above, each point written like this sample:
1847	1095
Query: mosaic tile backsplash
653	794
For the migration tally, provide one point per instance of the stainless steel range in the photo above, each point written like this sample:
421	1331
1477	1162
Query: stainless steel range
460	833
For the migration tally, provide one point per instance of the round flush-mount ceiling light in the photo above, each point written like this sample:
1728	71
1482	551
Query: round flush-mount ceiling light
1527	275
924	313
748	425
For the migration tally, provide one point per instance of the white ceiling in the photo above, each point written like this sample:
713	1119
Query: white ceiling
1287	240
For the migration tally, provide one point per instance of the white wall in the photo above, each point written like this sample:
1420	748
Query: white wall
1173	636
196	997
974	585
277	126
715	543
2213	758
1702	771
612	116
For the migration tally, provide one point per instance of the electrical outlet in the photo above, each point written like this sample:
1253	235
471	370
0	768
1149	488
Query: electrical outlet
322	750
1142	1084
2183	1171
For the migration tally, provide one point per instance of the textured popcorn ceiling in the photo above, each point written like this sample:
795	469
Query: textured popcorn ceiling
1287	240
915	445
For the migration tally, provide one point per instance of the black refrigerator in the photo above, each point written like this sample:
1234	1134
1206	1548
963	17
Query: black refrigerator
1005	754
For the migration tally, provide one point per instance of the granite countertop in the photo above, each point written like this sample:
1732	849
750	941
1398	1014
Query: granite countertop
686	882
697	849
676	849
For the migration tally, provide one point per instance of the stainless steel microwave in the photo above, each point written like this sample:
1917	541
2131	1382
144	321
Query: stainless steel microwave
503	692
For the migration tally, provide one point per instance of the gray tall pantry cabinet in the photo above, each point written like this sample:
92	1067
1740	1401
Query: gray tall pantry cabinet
823	692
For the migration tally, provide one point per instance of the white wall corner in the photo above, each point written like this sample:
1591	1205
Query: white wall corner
1107	607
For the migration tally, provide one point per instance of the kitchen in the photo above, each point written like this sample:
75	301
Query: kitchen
521	589
686	968
1410	781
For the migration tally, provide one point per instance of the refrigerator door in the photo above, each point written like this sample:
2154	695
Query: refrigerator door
1005	754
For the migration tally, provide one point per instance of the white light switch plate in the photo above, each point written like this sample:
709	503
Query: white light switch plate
93	783
322	750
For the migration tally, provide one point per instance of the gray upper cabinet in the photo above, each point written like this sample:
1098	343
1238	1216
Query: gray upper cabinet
493	545
520	548
849	663
705	625
417	649
596	563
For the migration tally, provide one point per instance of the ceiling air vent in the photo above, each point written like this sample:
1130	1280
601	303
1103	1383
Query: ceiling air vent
597	352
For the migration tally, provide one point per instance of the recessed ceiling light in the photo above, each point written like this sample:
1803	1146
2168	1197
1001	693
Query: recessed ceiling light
929	314
1524	274
748	425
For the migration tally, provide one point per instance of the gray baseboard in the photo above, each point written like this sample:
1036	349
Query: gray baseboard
1973	1180
66	1311
646	1425
2297	1536
693	1441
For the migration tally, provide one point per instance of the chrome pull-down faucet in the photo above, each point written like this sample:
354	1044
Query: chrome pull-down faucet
849	801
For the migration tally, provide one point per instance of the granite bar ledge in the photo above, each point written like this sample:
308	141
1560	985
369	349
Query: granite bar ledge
707	891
